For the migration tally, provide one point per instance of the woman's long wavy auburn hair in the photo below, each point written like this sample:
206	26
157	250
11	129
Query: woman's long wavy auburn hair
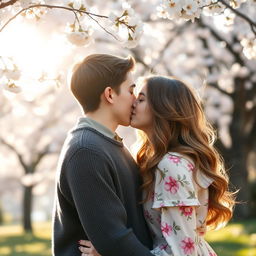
179	125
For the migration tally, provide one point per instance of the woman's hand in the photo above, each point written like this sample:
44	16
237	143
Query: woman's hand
87	248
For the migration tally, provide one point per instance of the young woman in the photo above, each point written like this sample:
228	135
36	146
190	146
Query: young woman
185	185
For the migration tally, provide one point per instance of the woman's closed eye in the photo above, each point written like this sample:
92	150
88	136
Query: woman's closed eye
140	100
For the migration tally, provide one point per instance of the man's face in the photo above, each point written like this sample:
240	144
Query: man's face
124	101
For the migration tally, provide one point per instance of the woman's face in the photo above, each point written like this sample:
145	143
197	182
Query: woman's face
141	114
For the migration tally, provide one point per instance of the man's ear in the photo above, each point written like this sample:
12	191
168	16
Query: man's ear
108	94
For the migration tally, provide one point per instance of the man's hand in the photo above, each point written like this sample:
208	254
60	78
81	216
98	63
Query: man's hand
87	248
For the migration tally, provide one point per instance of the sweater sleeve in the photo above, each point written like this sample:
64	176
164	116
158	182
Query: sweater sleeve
101	212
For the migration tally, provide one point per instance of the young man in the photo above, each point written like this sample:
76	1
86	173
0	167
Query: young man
98	181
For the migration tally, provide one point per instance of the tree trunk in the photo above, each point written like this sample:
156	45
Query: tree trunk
236	161
1	214
27	208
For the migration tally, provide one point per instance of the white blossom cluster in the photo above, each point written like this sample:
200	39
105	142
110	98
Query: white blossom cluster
9	75
81	36
191	9
123	24
182	9
33	13
249	47
126	25
27	3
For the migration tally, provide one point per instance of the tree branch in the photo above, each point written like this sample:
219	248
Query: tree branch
162	51
53	7
13	149
168	43
11	2
102	27
40	155
138	58
215	86
221	39
241	15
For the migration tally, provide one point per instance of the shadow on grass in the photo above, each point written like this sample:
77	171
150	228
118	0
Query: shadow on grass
24	245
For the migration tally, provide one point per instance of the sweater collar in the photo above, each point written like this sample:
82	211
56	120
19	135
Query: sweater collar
89	122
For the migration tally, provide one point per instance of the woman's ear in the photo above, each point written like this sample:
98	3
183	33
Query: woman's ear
108	94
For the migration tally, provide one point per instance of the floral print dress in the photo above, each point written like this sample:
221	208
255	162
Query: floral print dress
177	210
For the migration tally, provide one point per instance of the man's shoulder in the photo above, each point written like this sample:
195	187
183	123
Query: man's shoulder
90	139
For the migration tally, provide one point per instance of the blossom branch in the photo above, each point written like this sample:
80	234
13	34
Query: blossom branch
11	2
102	27
241	15
53	7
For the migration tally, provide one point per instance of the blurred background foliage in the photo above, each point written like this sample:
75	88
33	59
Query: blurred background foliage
209	54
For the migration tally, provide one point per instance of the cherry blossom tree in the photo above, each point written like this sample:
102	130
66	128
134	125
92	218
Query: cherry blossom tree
208	43
31	130
122	22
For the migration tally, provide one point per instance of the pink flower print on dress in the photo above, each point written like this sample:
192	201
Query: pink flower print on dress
171	185
175	159
191	167
188	245
166	229
186	210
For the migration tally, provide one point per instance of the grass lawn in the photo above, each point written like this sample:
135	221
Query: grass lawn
14	243
237	239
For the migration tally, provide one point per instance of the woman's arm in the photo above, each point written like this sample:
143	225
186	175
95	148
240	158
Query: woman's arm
178	227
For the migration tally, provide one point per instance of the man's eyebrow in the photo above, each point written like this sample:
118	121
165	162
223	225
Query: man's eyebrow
142	93
133	86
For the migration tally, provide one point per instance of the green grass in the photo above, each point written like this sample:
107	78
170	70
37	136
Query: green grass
14	243
237	239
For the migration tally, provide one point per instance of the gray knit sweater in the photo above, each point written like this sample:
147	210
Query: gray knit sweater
97	198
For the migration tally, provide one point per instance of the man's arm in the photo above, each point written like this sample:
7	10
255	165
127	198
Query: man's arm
100	210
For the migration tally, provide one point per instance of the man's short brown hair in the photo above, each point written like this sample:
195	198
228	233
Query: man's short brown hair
94	74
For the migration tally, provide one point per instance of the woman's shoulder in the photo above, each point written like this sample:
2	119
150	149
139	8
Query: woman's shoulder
174	163
176	160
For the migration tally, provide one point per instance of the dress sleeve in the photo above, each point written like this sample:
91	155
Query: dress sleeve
174	184
178	226
203	180
176	197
